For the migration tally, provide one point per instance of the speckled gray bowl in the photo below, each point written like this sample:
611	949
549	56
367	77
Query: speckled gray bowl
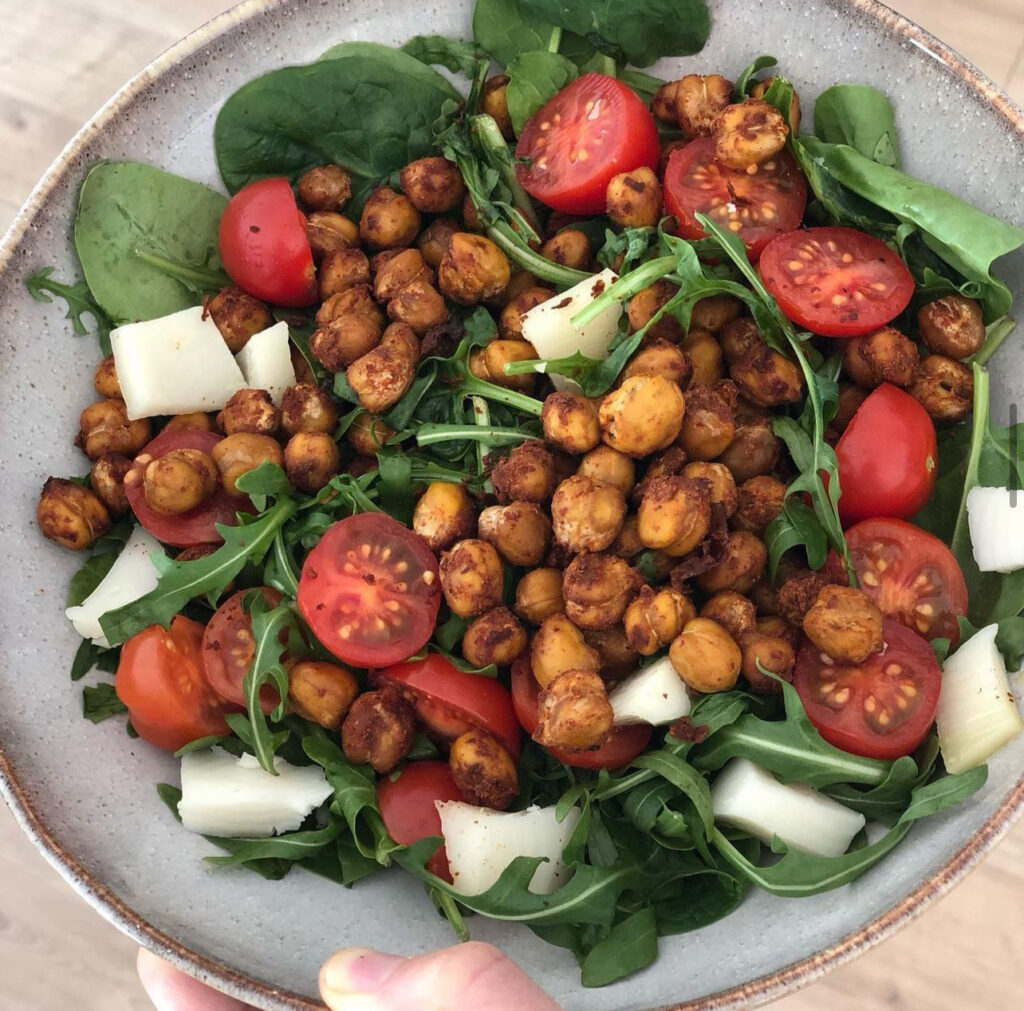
85	793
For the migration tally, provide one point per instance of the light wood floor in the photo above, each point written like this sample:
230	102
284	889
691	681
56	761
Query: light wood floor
59	60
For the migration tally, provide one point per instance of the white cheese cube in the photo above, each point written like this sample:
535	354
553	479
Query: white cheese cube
995	517
656	695
266	361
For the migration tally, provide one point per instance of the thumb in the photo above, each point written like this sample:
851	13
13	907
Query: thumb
170	989
472	975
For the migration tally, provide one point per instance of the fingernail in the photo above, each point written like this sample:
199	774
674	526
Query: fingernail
358	971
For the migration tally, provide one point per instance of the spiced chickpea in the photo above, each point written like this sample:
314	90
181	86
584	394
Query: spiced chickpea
329	232
845	624
311	459
379	729
643	415
798	591
249	411
633	199
661	358
472	269
107	480
705	354
720	483
356	300
419	305
754	450
499	353
71	515
381	377
655	618
608	466
748	134
443	515
953	326
706	657
699	99
675	514
195	421
344	340
574	712
760	89
179	481
106	428
238	315
307	408
664	104
527	474
708	426
389	220
322	692
570	248
761	499
627	543
597	589
539	595
943	387
585	515
519	282
733	611
739	337
520	531
776	626
713	313
510	324
471	215
767	378
325	188
558	646
771	652
105	379
472	577
495	637
617	657
850	399
669	463
743	565
406	266
644	306
237	454
341	270
571	422
433	184
434	239
483	770
885	356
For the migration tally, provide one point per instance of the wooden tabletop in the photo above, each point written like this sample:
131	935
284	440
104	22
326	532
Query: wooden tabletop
59	60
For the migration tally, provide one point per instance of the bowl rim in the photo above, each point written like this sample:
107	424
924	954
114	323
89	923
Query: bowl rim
756	992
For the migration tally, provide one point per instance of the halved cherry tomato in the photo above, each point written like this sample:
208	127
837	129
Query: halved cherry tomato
197	526
407	806
589	132
228	649
836	281
756	206
449	701
882	708
622	746
160	679
263	244
888	457
371	590
911	575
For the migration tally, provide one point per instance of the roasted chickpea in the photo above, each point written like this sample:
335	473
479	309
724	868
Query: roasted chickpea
106	428
664	104
708	426
328	233
325	188
570	422
472	577
706	657
238	315
585	515
379	729
497	354
618	658
767	378
739	337
389	220
179	481
71	515
434	185
558	646
760	89
771	652
367	434
646	304
520	282
404	267
749	134
107	480
705	354
105	379
798	592
850	399
381	377
311	459
443	515
845	624
675	514
434	239
597	588
570	248
643	415
943	387
713	313
754	450
250	411
321	692
473	269
341	270
521	532
633	199
777	627
196	421
608	466
743	565
720	483
952	326
471	215
734	612
669	463
886	356
344	340
483	770
574	712
237	454
539	595
357	300
761	499
495	637
627	543
419	305
307	408
510	325
527	474
699	99
661	358
655	618
494	103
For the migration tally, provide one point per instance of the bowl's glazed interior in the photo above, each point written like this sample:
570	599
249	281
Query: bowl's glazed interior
86	793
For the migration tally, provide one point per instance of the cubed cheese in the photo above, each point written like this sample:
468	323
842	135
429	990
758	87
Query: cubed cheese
656	694
997	531
266	361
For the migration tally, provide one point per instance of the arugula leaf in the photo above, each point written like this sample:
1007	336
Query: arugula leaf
292	847
536	77
438	50
631	945
860	116
79	301
89	657
747	78
88	577
100	702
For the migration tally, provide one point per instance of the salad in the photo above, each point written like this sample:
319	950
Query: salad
574	487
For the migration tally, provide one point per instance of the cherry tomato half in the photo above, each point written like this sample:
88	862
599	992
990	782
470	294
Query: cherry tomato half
589	132
622	746
370	590
407	806
197	526
755	206
888	457
160	679
449	701
911	575
836	281
228	649
263	244
882	708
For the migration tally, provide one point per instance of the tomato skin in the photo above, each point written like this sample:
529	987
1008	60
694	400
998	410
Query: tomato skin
160	679
263	244
407	806
888	457
872	281
197	526
907	554
694	181
450	701
622	746
852	725
386	598
596	114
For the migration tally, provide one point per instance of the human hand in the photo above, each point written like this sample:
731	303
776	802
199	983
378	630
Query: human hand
358	979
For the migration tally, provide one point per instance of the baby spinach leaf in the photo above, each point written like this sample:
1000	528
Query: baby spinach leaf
631	945
860	116
506	28
88	577
79	300
438	50
536	77
100	702
147	240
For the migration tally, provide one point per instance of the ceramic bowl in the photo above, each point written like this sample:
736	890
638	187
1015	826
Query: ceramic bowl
86	793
